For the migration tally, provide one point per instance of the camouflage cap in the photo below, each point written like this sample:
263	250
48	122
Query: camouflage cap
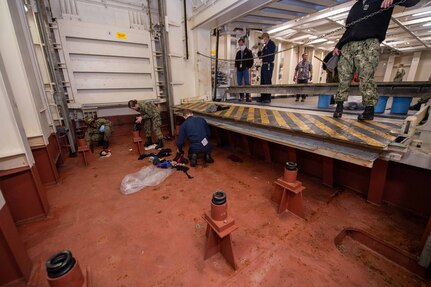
89	120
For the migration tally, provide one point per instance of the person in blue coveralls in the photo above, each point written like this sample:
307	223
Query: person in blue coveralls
266	53
197	132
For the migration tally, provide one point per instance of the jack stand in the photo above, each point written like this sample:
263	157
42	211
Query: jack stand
288	191
138	141
219	228
63	270
87	156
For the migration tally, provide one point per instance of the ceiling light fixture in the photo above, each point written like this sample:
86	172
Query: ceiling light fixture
421	13
330	12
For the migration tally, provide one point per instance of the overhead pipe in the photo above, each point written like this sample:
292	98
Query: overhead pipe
59	96
185	29
216	65
165	46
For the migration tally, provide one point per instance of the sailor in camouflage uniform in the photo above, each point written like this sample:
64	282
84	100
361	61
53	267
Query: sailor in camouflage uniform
400	74
98	131
360	48
150	114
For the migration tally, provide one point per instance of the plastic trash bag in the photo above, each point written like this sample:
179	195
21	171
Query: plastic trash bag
147	176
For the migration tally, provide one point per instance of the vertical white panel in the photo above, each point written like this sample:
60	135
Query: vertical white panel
414	66
389	67
2	202
14	148
10	140
10	52
201	70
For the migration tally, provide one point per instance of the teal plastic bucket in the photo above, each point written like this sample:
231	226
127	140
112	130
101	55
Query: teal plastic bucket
324	101
381	104
400	105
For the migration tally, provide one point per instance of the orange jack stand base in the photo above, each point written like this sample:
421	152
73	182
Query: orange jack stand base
87	155
139	145
219	239
289	197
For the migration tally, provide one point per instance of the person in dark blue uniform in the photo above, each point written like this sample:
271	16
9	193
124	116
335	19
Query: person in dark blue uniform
197	132
266	53
243	63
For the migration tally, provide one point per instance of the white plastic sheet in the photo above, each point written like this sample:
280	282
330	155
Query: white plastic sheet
147	176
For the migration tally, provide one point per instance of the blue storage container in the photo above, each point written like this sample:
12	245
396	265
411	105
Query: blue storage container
381	104
400	105
324	101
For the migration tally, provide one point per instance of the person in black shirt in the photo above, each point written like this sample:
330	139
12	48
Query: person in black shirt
197	132
266	53
243	63
359	48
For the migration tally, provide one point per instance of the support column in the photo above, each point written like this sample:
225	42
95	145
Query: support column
414	66
389	68
231	141
377	181
426	234
15	262
328	171
266	151
245	144
291	154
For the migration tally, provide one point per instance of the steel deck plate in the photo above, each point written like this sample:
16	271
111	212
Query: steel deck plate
370	134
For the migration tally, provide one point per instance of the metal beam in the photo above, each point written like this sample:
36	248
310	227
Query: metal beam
287	7
342	8
270	22
403	89
239	24
410	32
225	11
327	3
272	15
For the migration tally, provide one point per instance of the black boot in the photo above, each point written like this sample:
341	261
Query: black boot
193	159
367	115
338	110
159	144
208	158
148	142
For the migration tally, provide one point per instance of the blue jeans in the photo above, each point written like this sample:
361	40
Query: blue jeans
240	75
266	79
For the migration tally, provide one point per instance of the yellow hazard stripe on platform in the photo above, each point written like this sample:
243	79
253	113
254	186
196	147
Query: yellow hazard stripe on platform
239	113
192	106
383	126
229	111
250	115
324	127
264	117
370	141
203	107
374	131
279	119
304	128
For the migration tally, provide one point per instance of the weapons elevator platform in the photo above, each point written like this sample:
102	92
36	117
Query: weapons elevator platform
318	132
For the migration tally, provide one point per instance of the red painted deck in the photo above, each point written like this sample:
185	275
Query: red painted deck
156	237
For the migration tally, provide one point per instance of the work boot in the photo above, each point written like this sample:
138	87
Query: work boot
338	110
208	158
367	115
159	144
193	159
148	142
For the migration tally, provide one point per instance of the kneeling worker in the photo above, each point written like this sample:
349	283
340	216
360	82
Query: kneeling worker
99	131
152	120
197	132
